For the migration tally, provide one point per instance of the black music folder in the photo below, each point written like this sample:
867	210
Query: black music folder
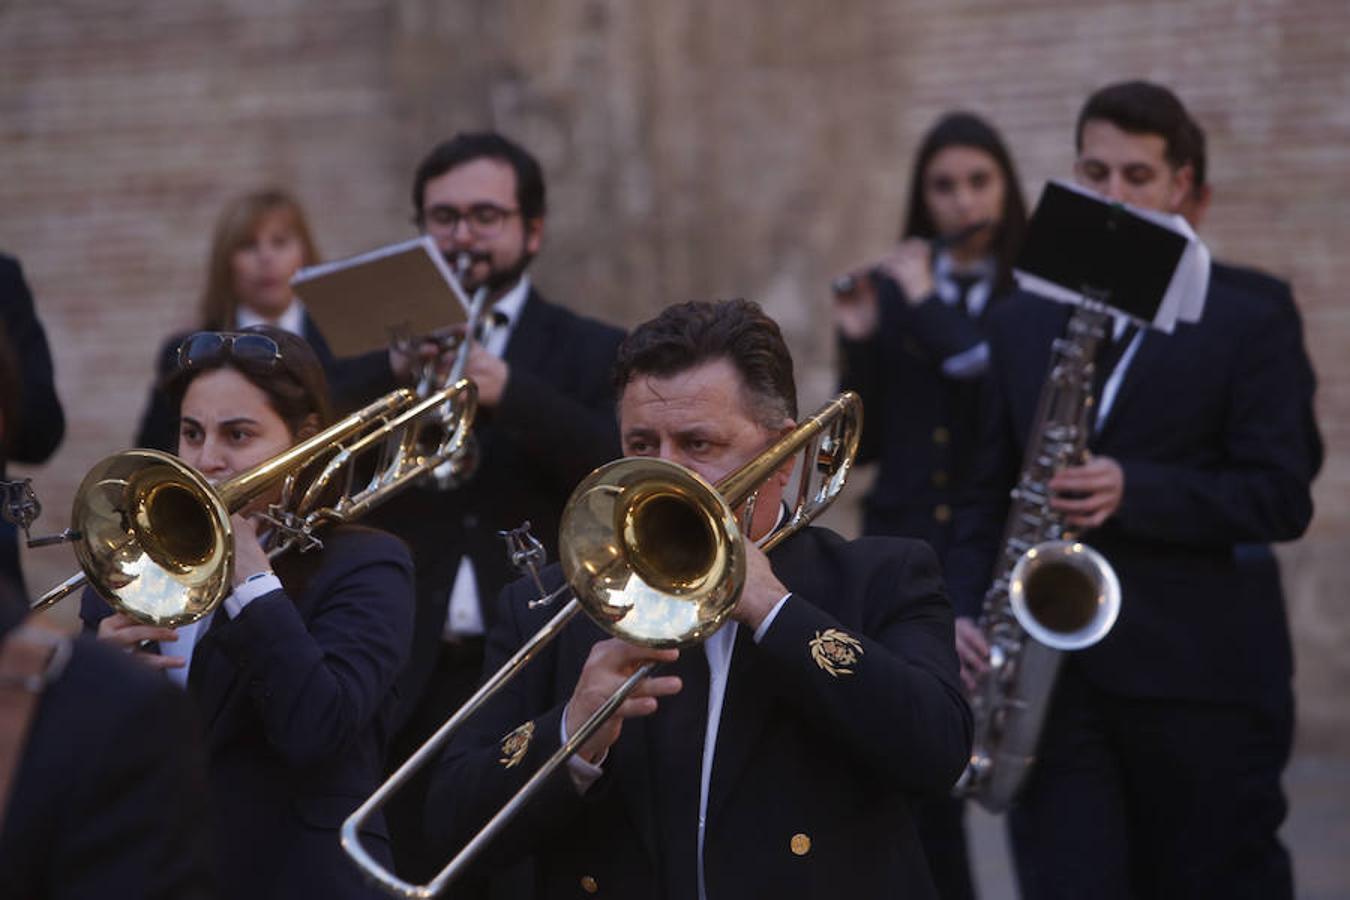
364	302
1145	264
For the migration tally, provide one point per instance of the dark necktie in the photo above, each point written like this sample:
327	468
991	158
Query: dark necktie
491	321
964	285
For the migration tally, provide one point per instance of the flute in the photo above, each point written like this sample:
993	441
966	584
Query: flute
846	284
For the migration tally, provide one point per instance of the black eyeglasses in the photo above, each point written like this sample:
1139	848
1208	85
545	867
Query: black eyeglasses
256	353
483	219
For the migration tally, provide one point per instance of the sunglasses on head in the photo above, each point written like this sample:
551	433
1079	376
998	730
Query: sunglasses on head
256	353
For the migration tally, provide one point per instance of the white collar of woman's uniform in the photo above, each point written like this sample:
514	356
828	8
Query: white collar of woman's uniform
292	320
944	280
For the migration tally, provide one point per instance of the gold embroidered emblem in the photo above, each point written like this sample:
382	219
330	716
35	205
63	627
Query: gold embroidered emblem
836	652
515	744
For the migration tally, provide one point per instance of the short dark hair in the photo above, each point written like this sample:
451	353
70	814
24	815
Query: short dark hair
296	389
689	334
964	129
1196	146
1141	107
465	147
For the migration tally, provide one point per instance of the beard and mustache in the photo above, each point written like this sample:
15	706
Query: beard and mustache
498	281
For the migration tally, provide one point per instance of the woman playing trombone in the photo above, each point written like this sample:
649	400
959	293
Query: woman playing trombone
292	674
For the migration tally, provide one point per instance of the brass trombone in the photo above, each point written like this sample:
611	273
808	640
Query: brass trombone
655	556
153	537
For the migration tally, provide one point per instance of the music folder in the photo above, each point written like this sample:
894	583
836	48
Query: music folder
1146	264
363	302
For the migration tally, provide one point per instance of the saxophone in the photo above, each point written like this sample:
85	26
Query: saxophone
1049	594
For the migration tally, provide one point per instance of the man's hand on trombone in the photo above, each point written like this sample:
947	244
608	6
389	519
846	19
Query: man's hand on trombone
437	352
608	666
408	359
488	372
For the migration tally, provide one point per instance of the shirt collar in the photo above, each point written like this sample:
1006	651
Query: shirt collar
945	270
292	320
513	301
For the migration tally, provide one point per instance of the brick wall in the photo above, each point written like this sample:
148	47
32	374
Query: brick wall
693	149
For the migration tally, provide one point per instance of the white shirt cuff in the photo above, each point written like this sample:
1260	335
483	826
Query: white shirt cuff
583	773
253	587
763	628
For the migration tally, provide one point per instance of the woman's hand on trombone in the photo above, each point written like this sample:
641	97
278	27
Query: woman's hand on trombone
608	666
249	556
120	630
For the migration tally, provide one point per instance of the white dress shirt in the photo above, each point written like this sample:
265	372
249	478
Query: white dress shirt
1112	385
464	616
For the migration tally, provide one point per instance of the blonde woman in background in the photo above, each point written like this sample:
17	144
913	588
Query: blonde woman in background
261	240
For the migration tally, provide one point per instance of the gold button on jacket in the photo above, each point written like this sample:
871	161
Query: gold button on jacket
800	844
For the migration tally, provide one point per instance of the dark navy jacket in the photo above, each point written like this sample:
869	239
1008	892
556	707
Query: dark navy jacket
295	696
108	800
1210	426
920	423
815	774
41	422
553	425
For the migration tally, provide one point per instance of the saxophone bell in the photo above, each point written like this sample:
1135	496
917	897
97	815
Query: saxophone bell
1064	594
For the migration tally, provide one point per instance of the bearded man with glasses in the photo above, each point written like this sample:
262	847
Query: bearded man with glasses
546	418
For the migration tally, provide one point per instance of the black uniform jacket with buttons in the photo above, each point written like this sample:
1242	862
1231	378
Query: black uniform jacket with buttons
296	696
921	423
848	708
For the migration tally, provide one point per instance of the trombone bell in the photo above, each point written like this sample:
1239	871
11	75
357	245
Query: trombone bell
652	552
155	538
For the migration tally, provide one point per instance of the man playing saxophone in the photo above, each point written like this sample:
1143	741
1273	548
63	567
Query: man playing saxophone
1157	773
781	757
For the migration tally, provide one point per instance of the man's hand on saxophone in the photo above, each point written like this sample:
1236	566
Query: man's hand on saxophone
1089	494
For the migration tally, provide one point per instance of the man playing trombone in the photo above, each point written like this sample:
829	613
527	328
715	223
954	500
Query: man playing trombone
779	758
